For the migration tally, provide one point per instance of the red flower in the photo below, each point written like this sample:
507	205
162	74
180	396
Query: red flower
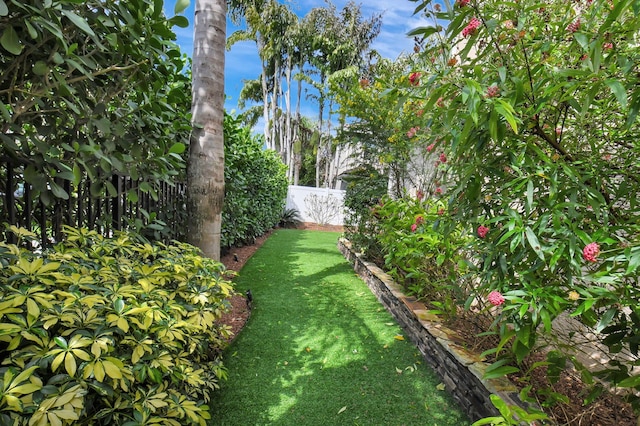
414	227
438	191
607	46
440	212
414	78
492	91
419	195
590	252
419	220
471	27
430	147
462	3
495	298
574	26
482	231
443	158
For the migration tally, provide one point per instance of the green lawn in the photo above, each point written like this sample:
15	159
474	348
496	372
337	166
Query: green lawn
319	349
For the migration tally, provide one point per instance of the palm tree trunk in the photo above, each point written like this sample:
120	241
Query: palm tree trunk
205	172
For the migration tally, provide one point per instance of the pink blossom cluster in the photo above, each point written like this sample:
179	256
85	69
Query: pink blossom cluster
442	158
471	27
419	221
590	252
414	78
607	46
574	26
419	195
438	191
430	147
462	3
492	91
495	298
482	231
412	132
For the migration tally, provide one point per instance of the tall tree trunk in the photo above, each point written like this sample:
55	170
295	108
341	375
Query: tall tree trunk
205	173
274	104
265	107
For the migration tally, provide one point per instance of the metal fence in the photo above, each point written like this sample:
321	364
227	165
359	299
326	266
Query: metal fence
157	210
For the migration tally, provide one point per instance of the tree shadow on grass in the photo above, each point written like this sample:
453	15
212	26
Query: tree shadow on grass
320	350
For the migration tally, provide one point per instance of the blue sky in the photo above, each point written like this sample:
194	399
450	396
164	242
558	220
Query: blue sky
242	61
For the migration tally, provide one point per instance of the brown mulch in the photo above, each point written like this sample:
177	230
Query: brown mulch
607	410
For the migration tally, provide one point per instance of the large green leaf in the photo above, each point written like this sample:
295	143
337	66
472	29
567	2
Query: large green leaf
10	41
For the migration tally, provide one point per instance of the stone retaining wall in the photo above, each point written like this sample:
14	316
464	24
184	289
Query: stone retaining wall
460	370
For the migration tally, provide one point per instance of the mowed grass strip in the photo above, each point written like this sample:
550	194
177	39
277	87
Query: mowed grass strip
319	349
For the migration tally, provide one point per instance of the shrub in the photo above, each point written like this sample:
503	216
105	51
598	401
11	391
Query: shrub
418	255
365	188
255	188
290	218
109	331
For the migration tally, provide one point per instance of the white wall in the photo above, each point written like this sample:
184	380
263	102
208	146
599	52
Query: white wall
317	205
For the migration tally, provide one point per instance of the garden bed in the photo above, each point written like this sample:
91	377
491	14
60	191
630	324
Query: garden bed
452	350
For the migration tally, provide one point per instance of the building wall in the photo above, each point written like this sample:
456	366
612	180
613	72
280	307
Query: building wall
317	205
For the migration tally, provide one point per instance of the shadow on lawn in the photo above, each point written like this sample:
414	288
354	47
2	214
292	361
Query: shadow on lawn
319	349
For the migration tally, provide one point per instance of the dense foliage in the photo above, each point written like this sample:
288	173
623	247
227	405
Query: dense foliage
255	186
527	113
90	89
107	331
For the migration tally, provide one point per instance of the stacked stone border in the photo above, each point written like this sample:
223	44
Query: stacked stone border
460	370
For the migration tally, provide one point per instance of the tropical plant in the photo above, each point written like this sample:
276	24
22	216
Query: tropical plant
290	218
109	331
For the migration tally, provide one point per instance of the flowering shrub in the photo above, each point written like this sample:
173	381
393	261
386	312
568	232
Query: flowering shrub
417	255
541	141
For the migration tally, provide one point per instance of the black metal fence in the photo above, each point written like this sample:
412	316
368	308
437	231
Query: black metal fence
156	210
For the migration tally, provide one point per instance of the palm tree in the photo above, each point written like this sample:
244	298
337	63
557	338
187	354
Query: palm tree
205	171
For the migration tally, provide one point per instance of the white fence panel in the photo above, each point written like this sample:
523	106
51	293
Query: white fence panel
317	205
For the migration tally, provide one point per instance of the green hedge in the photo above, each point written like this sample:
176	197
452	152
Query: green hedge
255	186
109	331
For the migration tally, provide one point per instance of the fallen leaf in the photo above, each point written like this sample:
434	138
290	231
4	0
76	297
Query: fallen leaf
308	349
441	387
389	323
398	370
342	410
365	368
398	337
385	347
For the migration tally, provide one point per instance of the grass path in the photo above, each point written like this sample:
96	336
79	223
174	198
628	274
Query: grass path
320	350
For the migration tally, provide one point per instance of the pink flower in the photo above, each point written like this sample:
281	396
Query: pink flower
492	91
590	252
438	191
414	78
440	102
607	46
419	195
440	212
414	227
471	27
412	132
482	231
495	298
462	3
443	158
574	26
430	147
419	220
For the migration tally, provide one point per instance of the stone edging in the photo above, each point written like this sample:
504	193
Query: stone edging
461	371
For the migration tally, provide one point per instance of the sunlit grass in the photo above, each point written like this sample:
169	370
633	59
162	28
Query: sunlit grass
319	349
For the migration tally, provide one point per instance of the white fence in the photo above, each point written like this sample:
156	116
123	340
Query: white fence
317	205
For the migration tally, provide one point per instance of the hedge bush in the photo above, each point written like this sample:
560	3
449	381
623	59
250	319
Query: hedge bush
106	331
255	186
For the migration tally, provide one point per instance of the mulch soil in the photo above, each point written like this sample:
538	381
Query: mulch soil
606	410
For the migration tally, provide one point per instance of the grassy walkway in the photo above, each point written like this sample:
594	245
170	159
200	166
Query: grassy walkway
320	350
